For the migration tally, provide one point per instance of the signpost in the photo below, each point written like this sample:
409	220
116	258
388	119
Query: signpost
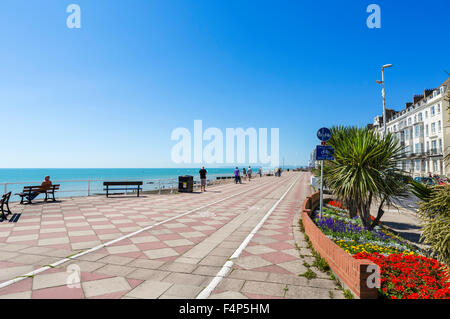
323	153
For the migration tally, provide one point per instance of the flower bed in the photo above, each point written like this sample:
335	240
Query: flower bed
410	277
353	237
405	274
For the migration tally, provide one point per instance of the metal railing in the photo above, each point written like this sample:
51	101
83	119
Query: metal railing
90	187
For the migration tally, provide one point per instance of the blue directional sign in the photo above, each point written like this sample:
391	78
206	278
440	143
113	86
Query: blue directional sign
324	134
324	153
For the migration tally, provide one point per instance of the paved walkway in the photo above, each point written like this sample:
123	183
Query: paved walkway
180	243
403	219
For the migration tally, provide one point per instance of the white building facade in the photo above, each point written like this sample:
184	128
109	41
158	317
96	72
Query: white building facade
423	128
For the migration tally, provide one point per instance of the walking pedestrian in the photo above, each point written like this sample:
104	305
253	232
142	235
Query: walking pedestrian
244	174
237	177
249	173
203	173
260	172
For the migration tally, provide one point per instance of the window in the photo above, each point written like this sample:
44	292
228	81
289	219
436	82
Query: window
426	114
439	126
428	146
433	128
415	118
433	145
409	121
417	166
432	111
416	131
435	165
426	130
440	145
420	117
439	108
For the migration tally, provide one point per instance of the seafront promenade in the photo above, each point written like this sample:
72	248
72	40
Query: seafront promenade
234	241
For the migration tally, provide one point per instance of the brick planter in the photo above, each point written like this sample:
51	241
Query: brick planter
350	271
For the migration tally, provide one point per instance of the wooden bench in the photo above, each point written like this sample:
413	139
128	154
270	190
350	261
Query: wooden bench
108	184
4	201
28	190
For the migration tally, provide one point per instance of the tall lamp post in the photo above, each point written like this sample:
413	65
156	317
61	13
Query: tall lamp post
383	93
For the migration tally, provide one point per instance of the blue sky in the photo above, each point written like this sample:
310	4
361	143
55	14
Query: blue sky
110	94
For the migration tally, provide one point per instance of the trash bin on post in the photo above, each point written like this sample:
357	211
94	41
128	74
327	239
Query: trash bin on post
185	184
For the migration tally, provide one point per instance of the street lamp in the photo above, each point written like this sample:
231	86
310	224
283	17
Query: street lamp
383	93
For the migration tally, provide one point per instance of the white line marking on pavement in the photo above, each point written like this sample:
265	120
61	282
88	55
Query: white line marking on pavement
42	269
205	293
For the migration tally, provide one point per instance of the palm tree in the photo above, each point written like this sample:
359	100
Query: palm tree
364	170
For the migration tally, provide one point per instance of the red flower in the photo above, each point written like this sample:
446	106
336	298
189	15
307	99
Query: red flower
410	277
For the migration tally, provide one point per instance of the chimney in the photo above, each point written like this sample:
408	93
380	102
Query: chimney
417	98
428	92
408	104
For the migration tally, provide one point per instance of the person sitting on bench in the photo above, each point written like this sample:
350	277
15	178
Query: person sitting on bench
44	187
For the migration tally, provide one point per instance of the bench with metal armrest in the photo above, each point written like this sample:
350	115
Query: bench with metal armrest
29	190
4	202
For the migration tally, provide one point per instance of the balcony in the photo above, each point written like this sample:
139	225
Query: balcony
434	152
419	154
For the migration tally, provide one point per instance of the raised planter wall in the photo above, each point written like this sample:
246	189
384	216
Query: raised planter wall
350	271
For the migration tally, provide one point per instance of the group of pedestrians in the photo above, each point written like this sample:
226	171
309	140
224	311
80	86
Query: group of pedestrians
277	172
246	174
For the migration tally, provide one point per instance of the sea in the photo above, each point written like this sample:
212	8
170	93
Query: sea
89	181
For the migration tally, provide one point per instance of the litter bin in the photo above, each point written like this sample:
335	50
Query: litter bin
185	184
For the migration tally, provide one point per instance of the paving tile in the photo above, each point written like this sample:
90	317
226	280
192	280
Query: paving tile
103	286
259	249
46	280
122	249
116	260
231	284
27	259
179	267
53	241
183	291
214	261
145	263
160	253
149	290
17	295
206	270
12	239
248	274
115	270
302	292
294	266
62	292
264	288
228	295
251	262
12	272
180	278
148	274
